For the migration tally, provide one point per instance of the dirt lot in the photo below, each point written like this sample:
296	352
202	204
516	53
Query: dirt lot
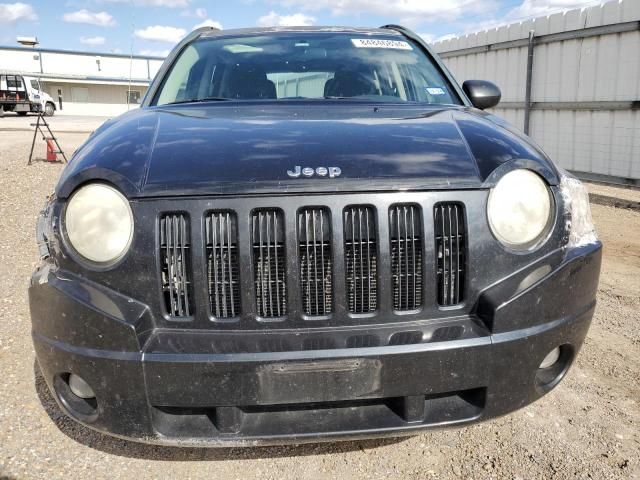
589	427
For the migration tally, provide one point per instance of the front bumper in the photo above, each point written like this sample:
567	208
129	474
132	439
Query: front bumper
168	387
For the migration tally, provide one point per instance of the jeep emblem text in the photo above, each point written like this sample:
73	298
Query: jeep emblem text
331	172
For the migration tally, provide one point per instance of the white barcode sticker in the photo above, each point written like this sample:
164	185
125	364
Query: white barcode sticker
378	43
435	90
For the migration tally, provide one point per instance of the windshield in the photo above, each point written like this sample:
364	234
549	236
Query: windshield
317	65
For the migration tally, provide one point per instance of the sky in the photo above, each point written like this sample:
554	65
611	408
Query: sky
153	27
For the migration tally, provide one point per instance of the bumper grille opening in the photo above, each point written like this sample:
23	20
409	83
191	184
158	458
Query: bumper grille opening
363	341
289	420
405	228
314	237
361	259
446	334
176	264
406	338
269	263
449	226
222	264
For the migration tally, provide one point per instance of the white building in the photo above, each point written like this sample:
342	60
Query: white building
103	84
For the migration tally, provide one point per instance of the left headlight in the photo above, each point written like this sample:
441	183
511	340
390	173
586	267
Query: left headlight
519	209
99	223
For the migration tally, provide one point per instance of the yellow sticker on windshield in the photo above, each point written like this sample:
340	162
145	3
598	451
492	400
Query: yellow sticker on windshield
378	43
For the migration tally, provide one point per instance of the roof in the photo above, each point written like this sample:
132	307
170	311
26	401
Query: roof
135	82
53	77
79	52
308	29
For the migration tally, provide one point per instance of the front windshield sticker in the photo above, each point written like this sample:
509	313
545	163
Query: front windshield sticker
378	43
436	91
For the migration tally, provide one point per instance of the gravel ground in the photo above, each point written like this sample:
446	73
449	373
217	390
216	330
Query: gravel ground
587	428
58	123
631	194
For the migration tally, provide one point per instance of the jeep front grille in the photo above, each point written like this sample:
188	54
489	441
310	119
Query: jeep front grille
270	275
449	225
405	229
175	264
314	240
221	231
361	258
340	260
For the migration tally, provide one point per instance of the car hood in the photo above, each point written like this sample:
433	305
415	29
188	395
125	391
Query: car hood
211	149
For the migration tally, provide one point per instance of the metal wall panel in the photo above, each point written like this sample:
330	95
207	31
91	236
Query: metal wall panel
606	67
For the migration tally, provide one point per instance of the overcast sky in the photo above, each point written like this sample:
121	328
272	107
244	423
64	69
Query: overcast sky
152	27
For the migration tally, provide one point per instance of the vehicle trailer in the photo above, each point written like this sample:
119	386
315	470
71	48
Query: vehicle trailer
22	95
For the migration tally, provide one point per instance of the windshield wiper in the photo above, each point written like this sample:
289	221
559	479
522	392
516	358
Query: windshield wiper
332	97
199	100
358	98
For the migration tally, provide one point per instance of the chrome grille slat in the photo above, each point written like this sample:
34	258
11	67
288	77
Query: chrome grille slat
406	256
175	264
361	258
457	223
275	228
316	285
268	263
270	284
213	265
451	266
183	269
223	264
450	236
315	264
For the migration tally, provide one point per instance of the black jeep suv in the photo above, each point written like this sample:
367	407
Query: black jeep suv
308	234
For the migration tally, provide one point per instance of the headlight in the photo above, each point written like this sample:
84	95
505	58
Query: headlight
576	201
519	209
99	223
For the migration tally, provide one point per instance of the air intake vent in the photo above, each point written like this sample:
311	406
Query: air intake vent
314	237
405	229
222	264
175	261
449	226
361	259
269	263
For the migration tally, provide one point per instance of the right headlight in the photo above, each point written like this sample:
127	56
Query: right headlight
99	223
519	209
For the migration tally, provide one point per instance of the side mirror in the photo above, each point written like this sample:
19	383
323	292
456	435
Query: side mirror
482	94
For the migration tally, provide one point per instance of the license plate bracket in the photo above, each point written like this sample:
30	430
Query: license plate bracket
319	381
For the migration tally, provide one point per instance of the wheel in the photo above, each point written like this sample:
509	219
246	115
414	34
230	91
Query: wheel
22	114
49	109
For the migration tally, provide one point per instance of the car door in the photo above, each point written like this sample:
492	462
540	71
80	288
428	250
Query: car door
35	91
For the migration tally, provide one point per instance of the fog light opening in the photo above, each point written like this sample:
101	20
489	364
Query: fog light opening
80	388
553	367
551	358
76	396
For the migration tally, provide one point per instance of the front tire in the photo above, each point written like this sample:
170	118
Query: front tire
22	114
49	109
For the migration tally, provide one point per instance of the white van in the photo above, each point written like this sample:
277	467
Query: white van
23	94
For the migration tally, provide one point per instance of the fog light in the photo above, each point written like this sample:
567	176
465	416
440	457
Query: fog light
79	387
550	359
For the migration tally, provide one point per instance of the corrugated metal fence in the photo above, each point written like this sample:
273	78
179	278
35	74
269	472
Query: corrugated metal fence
582	99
